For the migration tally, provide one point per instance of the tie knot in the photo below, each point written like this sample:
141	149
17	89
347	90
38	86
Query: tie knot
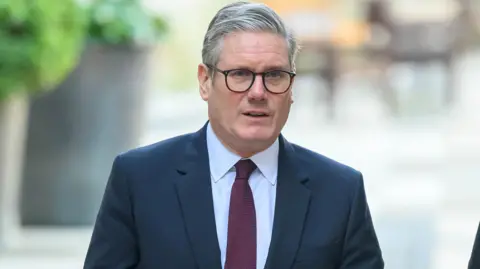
244	168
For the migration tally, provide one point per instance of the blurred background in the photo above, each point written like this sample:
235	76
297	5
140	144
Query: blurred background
386	86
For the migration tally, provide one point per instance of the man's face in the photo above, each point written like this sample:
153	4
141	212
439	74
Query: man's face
230	112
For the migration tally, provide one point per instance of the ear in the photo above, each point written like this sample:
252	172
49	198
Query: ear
204	81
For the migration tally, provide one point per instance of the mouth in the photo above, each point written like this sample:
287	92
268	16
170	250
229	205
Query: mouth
256	114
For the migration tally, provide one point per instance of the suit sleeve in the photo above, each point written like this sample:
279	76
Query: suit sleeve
113	244
474	262
361	247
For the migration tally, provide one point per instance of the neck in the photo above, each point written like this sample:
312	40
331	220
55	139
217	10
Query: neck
242	149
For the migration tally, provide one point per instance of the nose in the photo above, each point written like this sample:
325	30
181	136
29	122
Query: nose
257	91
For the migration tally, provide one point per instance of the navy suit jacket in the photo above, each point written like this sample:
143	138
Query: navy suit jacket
157	212
475	258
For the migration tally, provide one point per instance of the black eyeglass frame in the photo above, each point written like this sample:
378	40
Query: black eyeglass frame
255	74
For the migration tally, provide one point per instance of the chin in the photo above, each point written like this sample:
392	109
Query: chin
257	134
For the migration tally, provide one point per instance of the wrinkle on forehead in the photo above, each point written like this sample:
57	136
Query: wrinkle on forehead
254	50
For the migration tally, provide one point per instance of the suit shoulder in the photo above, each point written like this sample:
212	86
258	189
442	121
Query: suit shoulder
316	163
166	148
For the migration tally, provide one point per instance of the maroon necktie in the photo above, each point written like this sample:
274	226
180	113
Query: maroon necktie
242	224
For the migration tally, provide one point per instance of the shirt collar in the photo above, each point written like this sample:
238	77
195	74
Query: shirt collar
221	159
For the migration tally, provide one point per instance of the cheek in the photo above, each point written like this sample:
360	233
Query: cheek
225	105
285	105
283	111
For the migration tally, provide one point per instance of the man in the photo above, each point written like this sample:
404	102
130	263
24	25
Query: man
236	194
475	258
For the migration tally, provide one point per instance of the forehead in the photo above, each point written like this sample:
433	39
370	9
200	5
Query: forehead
255	50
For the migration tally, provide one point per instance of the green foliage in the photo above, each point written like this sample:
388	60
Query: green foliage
40	42
124	22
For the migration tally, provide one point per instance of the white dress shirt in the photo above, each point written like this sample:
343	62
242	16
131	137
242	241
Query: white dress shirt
263	183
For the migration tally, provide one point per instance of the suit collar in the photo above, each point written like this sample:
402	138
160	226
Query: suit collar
291	206
196	202
195	197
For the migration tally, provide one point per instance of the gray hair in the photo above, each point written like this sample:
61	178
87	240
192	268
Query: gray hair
245	16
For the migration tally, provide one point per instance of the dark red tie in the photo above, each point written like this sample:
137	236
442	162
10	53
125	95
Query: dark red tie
242	224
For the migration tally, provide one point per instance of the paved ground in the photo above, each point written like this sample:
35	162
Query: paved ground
422	175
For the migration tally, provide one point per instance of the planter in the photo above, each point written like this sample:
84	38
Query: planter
13	121
76	131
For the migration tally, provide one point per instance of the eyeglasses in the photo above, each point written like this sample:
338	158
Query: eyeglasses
241	80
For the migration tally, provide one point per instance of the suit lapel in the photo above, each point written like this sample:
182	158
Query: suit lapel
195	197
291	207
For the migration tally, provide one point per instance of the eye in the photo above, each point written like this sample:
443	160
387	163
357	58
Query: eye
240	73
275	74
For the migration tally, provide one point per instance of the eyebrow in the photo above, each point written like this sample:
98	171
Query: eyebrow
265	69
277	67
